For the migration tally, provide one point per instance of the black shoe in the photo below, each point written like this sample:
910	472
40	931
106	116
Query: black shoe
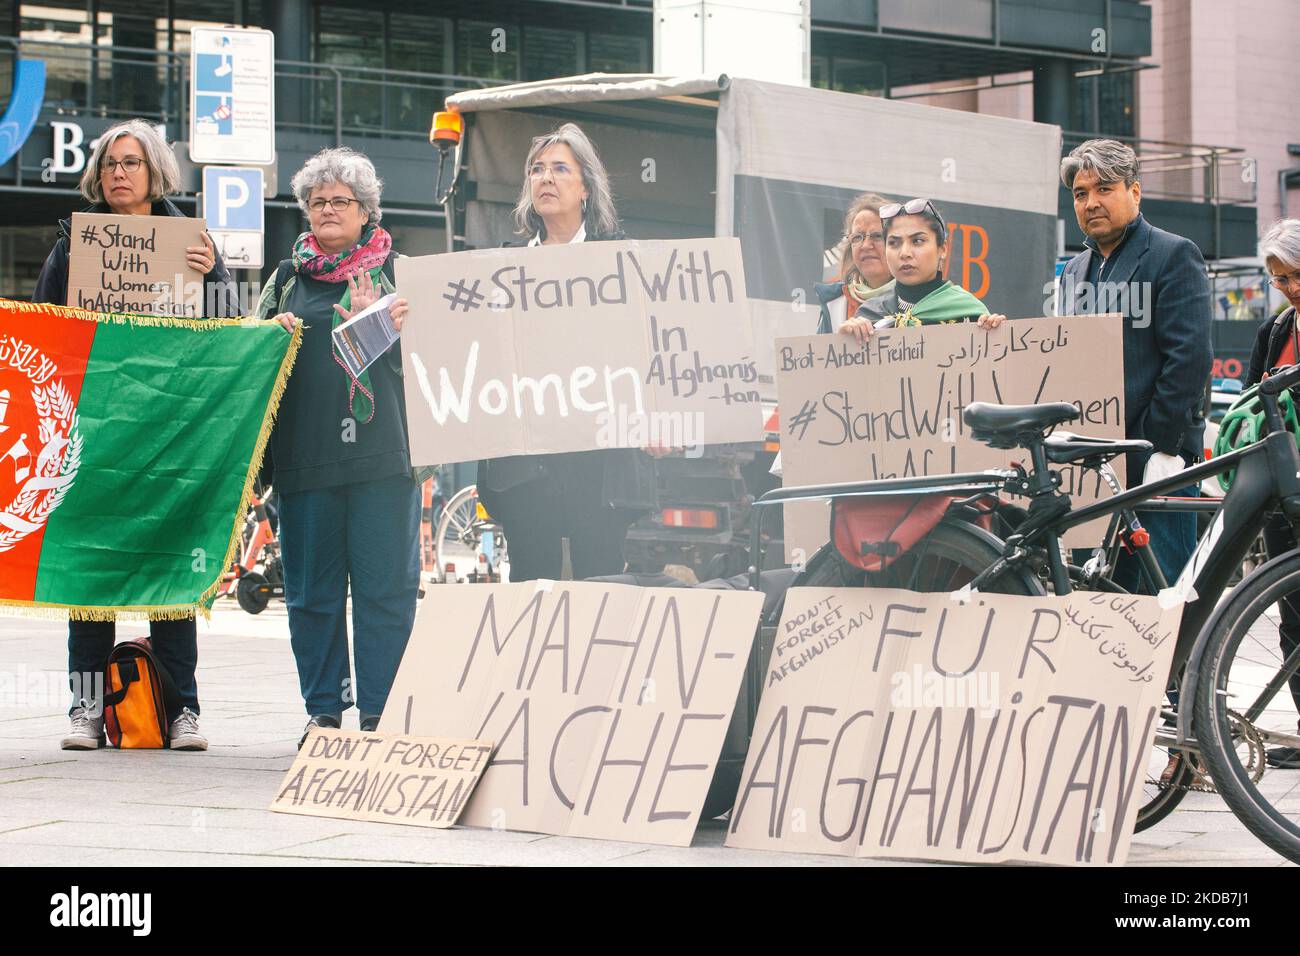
369	723
320	720
1284	758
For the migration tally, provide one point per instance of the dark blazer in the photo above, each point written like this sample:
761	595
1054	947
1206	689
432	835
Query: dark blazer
1167	352
627	476
52	283
1269	342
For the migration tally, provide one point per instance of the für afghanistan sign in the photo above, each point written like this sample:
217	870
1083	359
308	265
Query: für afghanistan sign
897	724
578	347
893	407
134	264
608	703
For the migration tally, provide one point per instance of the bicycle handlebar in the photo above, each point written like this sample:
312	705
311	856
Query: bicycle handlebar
1270	388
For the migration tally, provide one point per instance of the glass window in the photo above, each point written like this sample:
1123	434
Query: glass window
549	53
130	82
67	72
608	53
188	14
417	44
487	50
1104	104
351	38
857	76
821	72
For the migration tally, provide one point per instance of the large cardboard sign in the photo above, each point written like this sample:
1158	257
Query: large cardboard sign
577	347
383	778
897	724
608	703
893	407
134	264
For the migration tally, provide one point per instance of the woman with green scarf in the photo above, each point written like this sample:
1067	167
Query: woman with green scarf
349	504
916	242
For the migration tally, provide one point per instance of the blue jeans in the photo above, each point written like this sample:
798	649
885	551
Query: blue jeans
175	643
368	533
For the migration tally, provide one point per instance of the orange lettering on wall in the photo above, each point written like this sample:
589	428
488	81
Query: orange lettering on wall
969	260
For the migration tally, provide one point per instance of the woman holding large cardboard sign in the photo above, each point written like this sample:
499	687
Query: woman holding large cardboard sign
916	246
130	173
349	503
589	498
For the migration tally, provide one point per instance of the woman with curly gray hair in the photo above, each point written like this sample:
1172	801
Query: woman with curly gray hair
588	498
349	503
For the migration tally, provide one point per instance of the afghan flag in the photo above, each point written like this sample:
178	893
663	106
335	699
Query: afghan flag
128	450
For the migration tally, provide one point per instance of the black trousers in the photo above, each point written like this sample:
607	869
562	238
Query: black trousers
175	642
538	515
1278	539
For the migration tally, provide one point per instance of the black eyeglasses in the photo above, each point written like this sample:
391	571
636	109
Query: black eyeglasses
913	207
338	204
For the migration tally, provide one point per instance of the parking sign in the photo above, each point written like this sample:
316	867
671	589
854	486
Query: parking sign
232	206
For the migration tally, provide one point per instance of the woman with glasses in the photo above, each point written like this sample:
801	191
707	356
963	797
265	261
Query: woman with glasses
130	173
863	272
349	503
1276	345
589	498
916	246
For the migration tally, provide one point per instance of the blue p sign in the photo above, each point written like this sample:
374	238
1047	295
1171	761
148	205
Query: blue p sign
232	198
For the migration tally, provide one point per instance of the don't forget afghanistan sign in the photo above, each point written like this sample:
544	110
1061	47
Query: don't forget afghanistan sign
578	347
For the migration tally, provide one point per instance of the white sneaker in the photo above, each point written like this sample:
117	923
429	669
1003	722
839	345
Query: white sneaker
87	728
185	732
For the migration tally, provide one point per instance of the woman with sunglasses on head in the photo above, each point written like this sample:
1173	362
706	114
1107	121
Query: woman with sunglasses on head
863	272
916	244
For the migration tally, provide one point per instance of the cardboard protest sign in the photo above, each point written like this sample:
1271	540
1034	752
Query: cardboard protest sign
577	347
134	264
897	724
384	778
893	407
608	703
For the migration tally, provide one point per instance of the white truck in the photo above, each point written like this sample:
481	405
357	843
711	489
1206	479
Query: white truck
775	166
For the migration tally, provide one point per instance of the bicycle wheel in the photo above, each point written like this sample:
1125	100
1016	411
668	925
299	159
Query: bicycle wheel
947	558
1244	705
455	527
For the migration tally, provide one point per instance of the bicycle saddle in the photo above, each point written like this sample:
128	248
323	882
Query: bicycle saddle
997	425
1064	448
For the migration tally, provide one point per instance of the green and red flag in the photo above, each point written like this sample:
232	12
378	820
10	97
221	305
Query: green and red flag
128	449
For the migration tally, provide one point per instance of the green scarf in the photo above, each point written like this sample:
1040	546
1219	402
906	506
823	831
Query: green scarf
946	304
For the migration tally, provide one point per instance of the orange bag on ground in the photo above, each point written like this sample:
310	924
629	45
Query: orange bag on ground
139	693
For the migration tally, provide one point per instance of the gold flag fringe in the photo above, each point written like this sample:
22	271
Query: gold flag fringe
127	318
259	450
167	612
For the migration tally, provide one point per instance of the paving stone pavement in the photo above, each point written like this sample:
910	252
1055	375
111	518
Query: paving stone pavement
163	808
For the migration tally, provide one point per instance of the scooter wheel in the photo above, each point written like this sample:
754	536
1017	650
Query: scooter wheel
253	593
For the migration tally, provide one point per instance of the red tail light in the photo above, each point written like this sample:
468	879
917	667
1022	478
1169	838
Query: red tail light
690	518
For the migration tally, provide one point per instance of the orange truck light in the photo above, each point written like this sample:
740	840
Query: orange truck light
690	518
446	129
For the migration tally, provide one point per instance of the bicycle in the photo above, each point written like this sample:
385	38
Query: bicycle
1207	720
465	523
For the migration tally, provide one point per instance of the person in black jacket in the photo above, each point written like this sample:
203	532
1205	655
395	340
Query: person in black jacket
1158	281
129	173
589	498
349	502
1278	345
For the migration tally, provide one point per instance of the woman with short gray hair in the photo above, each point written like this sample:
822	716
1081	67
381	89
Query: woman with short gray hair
131	171
349	502
1276	345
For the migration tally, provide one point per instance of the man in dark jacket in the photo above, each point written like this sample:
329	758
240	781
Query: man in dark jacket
1158	281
